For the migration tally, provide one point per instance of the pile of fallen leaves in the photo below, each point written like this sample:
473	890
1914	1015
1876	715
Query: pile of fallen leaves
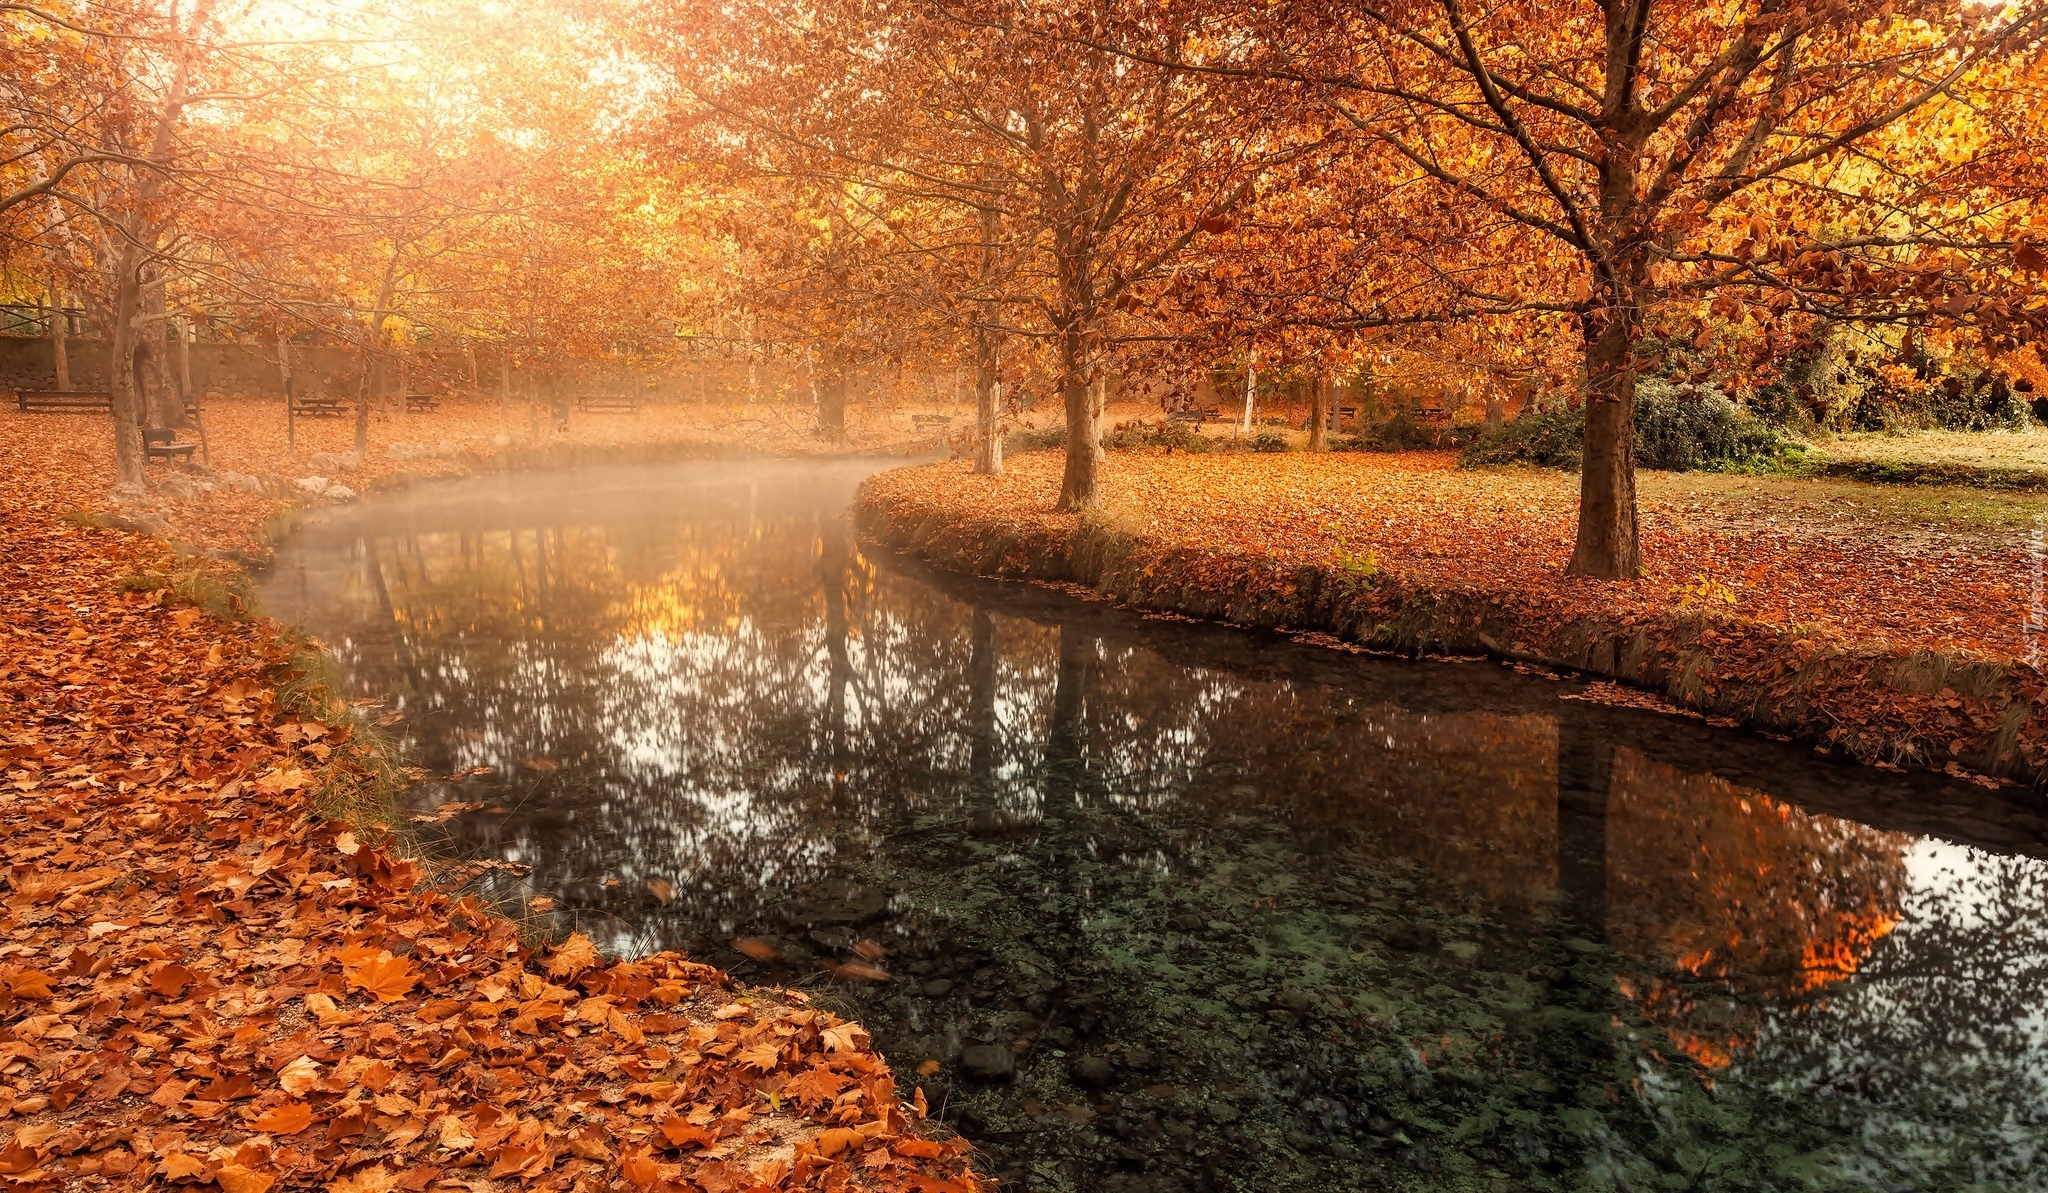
205	983
1801	625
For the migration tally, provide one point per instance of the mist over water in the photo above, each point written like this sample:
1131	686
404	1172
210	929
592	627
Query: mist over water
1146	905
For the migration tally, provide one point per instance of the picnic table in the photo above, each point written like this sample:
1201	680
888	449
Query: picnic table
1202	414
318	407
415	403
924	422
609	403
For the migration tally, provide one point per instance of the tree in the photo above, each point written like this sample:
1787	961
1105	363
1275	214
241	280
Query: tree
1005	128
1850	160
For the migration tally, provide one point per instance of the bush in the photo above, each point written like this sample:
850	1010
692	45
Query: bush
1404	433
1889	387
1268	441
1545	438
1678	429
1027	439
1168	435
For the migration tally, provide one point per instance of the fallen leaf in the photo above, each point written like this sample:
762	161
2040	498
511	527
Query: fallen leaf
572	956
374	1179
286	1118
384	977
758	949
178	1166
639	1168
299	1076
234	1178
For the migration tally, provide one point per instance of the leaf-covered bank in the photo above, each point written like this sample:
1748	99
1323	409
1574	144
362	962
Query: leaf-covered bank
1895	653
206	982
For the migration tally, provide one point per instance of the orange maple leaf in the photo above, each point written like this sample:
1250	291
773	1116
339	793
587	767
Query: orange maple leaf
573	954
387	977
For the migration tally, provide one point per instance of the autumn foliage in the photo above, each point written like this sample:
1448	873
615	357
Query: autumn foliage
1802	630
208	982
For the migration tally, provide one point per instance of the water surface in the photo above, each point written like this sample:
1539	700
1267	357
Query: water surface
1150	905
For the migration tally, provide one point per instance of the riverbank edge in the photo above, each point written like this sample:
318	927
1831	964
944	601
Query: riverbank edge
352	793
1921	708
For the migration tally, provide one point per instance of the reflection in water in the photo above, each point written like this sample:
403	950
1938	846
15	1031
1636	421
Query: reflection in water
1172	907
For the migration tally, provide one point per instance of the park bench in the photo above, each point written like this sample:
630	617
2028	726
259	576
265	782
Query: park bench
63	399
1202	414
318	407
161	443
609	403
931	422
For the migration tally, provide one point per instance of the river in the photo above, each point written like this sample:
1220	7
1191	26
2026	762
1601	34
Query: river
1150	905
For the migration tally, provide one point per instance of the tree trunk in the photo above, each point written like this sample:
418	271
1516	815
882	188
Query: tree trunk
981	702
988	396
832	400
291	409
59	339
186	334
400	397
1585	765
362	440
166	407
1319	414
127	405
1607	547
1081	486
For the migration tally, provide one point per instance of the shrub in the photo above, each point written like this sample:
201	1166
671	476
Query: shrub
1139	435
1678	429
1268	441
1028	439
1546	438
1404	433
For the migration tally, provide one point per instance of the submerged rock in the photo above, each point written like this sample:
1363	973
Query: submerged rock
989	1062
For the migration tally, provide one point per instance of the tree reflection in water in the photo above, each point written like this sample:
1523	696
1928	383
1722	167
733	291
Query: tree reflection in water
1180	908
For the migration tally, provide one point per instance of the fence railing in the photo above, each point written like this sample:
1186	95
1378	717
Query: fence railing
28	319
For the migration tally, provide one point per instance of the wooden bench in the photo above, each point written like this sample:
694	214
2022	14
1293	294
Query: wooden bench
419	403
161	443
318	407
63	399
609	403
931	422
1203	414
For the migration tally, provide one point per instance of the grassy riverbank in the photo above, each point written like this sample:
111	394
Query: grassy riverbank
1894	637
210	980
